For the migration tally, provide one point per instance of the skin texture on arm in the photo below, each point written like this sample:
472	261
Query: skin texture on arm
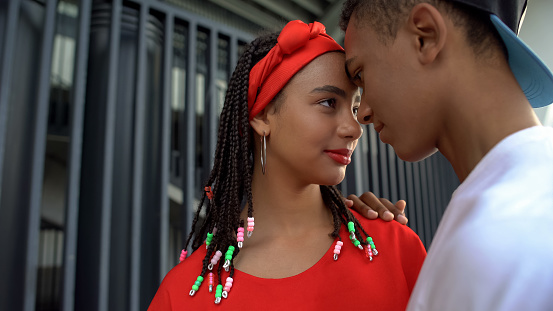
372	207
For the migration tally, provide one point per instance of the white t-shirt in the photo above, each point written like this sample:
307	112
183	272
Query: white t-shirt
493	249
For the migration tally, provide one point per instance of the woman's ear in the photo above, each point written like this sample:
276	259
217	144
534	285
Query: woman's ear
428	27
260	123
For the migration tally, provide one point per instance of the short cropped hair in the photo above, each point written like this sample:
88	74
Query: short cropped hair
384	17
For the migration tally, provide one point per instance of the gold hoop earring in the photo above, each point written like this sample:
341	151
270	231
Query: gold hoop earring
263	153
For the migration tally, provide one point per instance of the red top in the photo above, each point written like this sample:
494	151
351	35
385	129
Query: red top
350	283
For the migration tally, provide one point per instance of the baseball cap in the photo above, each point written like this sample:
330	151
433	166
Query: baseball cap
532	74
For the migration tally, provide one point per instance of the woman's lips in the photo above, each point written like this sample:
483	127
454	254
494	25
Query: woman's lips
342	156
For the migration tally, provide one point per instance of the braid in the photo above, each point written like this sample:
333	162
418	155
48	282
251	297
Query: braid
229	184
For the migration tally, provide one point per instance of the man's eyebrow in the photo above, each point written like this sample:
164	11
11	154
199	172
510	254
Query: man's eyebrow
330	89
348	62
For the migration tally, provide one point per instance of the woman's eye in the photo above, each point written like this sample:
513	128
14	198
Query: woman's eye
354	110
331	102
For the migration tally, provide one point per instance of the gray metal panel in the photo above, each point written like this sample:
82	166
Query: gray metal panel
166	133
211	111
137	171
189	189
95	212
9	36
38	151
74	159
384	170
10	287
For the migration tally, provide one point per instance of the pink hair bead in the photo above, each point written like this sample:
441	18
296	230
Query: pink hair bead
369	253
337	249
251	224
240	236
183	254
228	286
215	259
210	282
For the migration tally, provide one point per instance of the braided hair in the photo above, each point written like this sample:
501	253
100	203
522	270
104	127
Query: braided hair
229	185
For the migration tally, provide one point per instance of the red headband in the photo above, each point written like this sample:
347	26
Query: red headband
298	44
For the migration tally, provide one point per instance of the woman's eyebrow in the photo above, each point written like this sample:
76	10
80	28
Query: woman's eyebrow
330	89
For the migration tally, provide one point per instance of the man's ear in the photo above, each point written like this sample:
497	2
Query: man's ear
261	123
428	26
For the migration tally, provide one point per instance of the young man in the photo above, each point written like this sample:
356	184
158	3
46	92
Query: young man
452	76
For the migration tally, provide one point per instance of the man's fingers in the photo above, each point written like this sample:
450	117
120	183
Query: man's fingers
386	209
376	205
401	217
361	207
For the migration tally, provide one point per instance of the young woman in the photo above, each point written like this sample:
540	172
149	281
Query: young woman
277	233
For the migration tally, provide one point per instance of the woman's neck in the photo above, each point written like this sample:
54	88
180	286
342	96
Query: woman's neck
284	206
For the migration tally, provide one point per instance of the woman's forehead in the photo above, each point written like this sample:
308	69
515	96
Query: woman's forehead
327	69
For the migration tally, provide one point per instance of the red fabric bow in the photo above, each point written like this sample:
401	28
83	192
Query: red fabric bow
298	44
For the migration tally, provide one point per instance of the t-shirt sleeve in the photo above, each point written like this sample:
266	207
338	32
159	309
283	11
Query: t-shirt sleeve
161	301
412	256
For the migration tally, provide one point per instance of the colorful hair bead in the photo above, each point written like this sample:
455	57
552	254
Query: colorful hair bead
240	236
228	257
337	249
371	243
251	224
215	259
208	239
196	285
208	192
368	253
183	254
228	286
218	293
352	237
210	281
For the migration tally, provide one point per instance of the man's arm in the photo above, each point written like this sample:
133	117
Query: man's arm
372	207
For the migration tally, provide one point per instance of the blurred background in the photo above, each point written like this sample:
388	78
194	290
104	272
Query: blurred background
108	120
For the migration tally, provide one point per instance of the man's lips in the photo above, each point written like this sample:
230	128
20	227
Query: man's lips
342	156
378	127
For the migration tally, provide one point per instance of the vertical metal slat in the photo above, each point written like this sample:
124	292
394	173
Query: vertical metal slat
74	159
11	297
39	148
107	176
138	154
165	145
6	76
190	142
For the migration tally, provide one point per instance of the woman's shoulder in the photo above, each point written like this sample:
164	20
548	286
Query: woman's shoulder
388	229
187	270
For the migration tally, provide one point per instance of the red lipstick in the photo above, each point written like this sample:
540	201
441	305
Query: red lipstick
342	156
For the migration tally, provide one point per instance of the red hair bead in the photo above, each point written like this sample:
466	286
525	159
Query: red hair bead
210	282
368	252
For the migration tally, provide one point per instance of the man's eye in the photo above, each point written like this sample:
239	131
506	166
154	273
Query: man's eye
331	102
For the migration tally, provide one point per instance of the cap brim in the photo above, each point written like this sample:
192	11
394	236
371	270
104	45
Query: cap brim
533	76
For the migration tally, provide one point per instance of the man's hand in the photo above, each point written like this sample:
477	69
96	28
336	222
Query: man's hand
372	207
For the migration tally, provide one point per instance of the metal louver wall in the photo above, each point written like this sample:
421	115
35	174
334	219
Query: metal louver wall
108	119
